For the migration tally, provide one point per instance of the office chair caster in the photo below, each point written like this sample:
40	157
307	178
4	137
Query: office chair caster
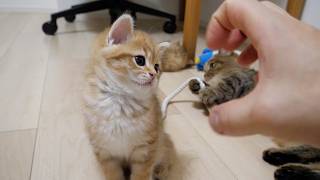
169	27
49	28
70	18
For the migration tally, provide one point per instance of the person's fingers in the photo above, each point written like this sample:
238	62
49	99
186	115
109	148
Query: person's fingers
248	56
216	34
234	117
234	40
237	14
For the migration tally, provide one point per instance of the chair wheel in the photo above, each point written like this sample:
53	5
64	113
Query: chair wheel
49	28
70	18
169	27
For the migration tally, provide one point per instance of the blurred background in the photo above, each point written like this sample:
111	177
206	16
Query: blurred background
311	12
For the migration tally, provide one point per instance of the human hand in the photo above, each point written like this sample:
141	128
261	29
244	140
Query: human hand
286	100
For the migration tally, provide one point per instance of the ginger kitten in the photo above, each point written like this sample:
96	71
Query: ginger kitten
122	111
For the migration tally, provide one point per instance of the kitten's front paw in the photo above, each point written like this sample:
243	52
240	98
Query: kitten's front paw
194	86
160	172
208	97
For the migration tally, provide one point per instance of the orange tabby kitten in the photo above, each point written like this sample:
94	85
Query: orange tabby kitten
122	110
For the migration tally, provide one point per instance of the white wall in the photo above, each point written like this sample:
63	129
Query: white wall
311	13
64	4
170	6
209	6
28	5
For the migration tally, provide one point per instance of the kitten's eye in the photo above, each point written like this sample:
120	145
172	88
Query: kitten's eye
140	60
215	65
156	67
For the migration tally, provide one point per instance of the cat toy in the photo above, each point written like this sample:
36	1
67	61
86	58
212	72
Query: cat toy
207	54
167	100
204	57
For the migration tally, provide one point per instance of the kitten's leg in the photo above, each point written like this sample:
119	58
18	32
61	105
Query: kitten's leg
165	159
296	154
210	97
298	172
142	162
142	170
112	169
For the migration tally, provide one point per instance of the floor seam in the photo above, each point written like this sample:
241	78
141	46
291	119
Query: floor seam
39	114
16	130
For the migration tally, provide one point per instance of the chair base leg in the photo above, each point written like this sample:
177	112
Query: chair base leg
117	7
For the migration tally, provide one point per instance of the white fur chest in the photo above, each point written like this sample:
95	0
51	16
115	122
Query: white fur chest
119	136
116	133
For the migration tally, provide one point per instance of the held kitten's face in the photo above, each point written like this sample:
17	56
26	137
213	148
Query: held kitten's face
218	64
131	58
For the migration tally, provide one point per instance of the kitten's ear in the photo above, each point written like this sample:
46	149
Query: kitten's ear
121	30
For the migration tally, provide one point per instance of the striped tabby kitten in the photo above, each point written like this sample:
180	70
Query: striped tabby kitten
296	162
122	111
225	80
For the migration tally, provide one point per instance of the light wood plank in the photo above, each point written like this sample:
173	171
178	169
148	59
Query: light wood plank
11	26
171	110
16	150
62	150
68	155
22	74
196	160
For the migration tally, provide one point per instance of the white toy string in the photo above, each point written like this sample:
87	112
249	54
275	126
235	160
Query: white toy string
166	101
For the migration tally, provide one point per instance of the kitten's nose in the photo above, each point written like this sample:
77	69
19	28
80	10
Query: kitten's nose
151	74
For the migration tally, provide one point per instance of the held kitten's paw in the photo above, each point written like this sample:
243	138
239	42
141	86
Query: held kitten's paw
194	86
296	172
208	97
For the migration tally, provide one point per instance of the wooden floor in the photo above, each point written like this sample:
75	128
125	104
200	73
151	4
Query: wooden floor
42	133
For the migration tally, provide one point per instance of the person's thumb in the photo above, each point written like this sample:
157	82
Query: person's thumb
234	117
